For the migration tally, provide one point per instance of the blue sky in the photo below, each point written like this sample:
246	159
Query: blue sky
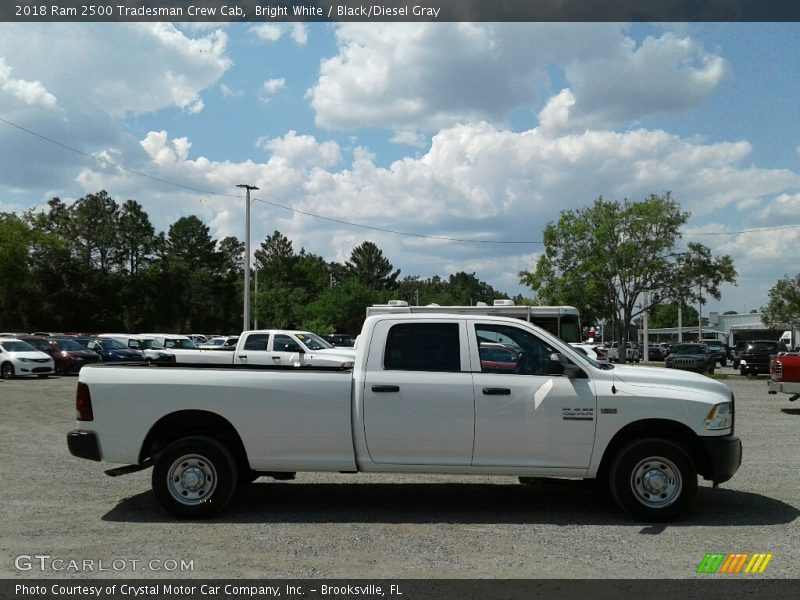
457	130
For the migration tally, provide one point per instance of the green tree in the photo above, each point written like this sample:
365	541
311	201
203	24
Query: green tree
666	315
188	270
342	308
16	243
617	260
783	305
368	264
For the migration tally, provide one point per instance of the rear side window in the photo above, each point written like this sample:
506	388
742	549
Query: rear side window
423	347
256	341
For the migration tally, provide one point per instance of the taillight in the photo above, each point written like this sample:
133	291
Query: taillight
83	403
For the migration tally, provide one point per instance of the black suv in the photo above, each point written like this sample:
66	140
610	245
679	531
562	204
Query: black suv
754	359
690	357
718	350
736	351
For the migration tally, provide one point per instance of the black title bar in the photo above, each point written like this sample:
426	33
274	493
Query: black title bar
398	10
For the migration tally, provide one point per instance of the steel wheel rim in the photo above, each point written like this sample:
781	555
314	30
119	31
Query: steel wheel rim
191	479
656	482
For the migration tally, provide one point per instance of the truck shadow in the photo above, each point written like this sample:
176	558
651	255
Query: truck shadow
561	502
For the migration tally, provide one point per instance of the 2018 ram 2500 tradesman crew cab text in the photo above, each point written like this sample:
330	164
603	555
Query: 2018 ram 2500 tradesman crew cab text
419	398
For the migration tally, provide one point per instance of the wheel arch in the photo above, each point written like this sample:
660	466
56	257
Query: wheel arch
664	429
188	423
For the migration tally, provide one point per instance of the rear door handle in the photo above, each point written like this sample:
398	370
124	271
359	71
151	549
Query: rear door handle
385	388
497	391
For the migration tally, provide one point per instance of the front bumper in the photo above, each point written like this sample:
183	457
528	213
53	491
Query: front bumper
724	456
83	444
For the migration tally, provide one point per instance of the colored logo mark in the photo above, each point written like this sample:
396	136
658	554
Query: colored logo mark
734	562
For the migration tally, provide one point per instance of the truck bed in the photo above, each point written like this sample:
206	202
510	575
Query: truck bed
309	422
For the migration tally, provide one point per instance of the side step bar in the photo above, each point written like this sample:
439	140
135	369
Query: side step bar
129	468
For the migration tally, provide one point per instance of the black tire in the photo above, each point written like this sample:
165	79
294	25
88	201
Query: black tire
195	477
711	370
743	371
7	371
723	363
653	479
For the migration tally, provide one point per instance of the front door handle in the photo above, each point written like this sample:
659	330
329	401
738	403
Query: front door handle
497	391
385	388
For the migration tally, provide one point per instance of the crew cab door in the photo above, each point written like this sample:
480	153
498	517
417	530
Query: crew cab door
253	349
418	400
527	413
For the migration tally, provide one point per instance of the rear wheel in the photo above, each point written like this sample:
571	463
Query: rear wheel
195	477
653	479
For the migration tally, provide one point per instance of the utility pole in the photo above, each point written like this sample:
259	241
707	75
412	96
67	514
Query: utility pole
246	319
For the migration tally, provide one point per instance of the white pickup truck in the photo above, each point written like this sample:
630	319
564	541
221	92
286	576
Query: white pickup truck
259	347
421	397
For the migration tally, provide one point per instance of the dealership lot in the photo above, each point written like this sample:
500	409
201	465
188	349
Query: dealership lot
380	526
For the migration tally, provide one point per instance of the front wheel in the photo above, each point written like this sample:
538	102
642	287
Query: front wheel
7	371
195	477
653	479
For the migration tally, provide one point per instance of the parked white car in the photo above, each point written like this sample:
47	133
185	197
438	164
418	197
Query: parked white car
593	351
631	352
223	342
151	348
20	359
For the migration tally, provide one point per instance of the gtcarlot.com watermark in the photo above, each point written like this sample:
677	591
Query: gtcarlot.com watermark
45	563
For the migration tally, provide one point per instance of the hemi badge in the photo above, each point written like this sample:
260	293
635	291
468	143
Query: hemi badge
608	411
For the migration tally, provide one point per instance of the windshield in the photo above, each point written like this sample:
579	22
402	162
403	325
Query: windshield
151	345
215	342
763	347
688	350
69	345
313	341
111	345
17	347
185	344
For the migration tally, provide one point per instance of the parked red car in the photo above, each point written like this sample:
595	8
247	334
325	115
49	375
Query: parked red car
68	355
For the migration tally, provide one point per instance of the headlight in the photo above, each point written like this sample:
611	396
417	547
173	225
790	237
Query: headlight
720	416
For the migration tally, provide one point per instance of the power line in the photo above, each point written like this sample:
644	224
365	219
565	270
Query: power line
393	231
331	219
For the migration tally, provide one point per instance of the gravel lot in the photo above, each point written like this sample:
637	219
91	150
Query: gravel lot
340	526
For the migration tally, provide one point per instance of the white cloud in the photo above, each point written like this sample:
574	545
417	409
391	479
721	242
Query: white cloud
268	32
32	93
123	68
229	92
274	85
397	76
475	182
273	32
299	34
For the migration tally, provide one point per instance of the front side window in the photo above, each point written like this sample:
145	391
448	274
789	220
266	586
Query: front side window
423	347
507	349
285	343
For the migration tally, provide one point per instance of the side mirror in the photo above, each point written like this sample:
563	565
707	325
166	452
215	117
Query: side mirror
561	365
